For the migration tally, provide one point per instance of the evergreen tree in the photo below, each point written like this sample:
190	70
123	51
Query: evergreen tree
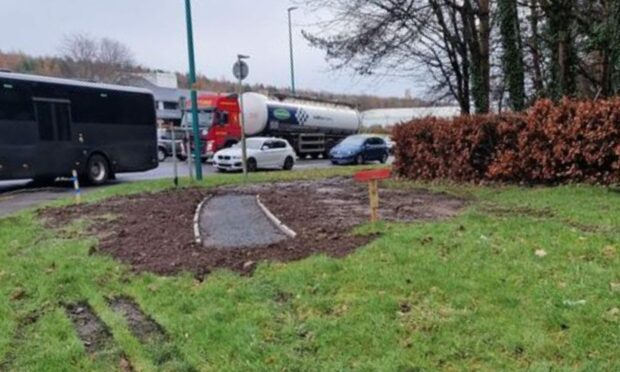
512	58
560	16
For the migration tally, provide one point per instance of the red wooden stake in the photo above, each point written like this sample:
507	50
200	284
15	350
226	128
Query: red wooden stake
372	177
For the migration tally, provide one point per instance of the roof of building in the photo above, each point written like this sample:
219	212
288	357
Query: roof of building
160	93
387	117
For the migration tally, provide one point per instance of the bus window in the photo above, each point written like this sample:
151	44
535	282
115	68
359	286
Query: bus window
63	121
54	121
134	109
45	120
15	104
90	107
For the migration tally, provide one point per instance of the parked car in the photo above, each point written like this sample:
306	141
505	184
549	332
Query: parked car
390	144
164	145
262	152
359	149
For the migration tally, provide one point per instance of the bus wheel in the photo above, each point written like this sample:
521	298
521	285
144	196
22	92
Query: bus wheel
252	166
97	170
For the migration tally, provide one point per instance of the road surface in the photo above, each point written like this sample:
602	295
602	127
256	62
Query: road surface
19	195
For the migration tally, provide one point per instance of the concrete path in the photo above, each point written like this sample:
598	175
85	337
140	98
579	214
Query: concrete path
233	221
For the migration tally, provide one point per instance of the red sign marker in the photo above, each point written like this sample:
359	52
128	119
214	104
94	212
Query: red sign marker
372	175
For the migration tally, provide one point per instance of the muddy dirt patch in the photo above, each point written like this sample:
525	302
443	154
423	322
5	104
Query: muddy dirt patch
93	332
154	232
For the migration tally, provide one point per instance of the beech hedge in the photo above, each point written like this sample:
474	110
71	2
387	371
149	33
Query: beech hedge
551	143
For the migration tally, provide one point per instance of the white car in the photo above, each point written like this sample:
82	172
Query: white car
262	152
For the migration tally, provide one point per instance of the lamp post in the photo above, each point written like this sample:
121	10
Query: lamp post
192	87
290	41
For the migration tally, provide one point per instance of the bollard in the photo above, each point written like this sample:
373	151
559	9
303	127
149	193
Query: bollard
76	186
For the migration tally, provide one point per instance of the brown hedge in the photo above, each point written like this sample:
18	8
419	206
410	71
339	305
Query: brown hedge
571	141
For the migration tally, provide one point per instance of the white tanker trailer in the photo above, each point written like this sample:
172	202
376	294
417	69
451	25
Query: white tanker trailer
311	127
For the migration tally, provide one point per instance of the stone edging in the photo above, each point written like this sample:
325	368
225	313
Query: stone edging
282	227
197	234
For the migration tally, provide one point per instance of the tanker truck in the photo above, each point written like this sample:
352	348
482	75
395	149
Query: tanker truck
312	127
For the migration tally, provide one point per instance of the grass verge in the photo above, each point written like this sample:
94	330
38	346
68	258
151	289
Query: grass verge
525	278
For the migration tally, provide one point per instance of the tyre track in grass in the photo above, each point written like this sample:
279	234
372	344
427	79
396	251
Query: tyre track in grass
154	338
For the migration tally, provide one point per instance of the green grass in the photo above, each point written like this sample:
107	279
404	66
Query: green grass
460	294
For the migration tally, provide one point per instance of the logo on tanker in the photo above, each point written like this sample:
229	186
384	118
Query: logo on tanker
302	116
281	114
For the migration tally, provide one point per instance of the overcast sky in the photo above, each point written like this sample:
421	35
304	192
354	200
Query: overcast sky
155	31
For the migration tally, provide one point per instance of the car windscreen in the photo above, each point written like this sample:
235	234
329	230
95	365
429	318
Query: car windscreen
254	144
205	119
353	141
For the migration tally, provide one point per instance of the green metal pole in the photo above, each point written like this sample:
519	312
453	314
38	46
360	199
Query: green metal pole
194	95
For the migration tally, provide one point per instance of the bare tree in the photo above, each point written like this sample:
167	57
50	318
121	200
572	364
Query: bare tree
80	53
449	39
103	60
114	60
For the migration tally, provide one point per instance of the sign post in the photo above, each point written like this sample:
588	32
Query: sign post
372	177
175	169
174	144
241	71
373	195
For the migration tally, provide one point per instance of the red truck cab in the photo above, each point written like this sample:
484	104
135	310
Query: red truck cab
218	118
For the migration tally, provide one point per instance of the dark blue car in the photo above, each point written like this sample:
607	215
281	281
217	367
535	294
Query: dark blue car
359	149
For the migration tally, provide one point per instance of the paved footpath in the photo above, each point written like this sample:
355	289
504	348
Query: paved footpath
19	200
236	221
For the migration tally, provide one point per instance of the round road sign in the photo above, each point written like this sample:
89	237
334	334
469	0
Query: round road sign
241	70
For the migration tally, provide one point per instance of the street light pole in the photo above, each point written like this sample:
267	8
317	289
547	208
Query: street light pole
192	87
290	41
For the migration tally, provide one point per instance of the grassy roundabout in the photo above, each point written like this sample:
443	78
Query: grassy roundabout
521	278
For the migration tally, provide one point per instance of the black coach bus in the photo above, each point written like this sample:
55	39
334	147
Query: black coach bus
50	127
